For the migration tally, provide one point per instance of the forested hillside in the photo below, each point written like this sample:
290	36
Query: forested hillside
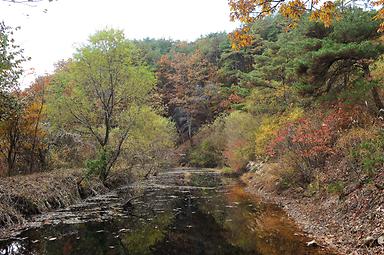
291	102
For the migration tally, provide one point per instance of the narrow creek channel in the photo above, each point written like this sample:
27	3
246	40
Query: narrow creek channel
176	212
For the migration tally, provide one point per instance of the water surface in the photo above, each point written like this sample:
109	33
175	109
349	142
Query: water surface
177	212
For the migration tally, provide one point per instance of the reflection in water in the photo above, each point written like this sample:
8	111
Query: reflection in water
177	213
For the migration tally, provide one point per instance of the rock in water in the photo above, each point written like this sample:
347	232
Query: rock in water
312	243
369	241
380	240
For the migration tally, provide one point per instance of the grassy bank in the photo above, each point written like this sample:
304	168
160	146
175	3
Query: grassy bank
24	196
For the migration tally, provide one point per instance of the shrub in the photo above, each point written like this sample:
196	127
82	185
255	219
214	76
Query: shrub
264	133
205	154
97	165
150	142
68	150
351	139
210	140
274	128
311	141
239	132
336	187
362	148
368	155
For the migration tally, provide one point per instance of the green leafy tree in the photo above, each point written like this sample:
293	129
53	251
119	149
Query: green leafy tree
342	60
100	92
11	59
153	49
150	142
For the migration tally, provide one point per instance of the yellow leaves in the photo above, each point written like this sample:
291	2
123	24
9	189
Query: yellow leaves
293	10
377	71
242	10
241	38
380	13
295	114
270	126
247	11
264	133
327	12
315	15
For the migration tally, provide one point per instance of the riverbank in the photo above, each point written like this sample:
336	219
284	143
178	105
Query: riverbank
353	224
24	196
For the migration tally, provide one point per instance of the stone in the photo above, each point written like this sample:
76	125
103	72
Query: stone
369	241
380	240
312	243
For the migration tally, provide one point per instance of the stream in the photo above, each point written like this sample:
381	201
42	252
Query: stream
181	211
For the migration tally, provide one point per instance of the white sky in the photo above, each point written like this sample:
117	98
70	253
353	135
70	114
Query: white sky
52	36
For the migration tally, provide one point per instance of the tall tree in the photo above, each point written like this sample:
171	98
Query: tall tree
187	84
99	91
23	136
11	59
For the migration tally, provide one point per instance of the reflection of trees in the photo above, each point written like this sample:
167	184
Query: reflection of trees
254	226
205	180
146	234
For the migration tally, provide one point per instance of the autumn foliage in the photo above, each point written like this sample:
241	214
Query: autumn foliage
23	135
248	11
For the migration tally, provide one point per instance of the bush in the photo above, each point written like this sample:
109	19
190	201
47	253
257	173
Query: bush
298	172
98	165
363	149
150	142
205	154
368	155
68	151
209	144
335	187
312	140
240	135
274	127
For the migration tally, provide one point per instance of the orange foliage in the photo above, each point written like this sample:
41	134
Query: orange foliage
380	13
248	11
188	81
22	136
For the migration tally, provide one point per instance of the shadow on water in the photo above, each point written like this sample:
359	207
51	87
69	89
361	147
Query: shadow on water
178	212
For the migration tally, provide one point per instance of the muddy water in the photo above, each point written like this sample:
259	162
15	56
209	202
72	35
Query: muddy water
177	212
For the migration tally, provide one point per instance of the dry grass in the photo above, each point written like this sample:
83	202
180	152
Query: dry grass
23	196
265	179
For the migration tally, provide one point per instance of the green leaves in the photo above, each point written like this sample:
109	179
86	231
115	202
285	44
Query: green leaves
99	93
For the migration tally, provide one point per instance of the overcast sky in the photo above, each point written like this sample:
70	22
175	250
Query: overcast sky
52	36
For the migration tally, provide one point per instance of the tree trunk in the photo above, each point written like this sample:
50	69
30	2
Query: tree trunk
376	98
190	131
375	91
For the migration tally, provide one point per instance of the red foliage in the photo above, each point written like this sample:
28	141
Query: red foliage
312	139
233	98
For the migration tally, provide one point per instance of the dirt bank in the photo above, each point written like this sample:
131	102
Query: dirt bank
349	225
24	196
